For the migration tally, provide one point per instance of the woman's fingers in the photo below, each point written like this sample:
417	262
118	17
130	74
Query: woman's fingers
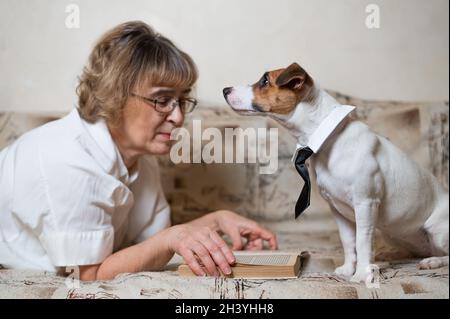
202	252
192	262
206	252
217	256
223	247
256	244
215	251
220	252
257	231
271	238
212	251
235	236
237	226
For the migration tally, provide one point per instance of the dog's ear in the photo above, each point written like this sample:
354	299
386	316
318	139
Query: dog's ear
292	77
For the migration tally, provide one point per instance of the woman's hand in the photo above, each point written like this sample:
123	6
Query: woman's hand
201	244
236	227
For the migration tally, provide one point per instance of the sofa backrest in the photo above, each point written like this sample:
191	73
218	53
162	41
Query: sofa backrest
420	129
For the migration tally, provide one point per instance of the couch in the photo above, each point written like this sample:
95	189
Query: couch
421	129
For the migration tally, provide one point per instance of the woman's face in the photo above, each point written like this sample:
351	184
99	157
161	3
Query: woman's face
143	129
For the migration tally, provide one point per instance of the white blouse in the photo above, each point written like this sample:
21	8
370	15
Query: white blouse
67	199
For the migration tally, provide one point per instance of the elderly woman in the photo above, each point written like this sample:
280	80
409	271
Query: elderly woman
85	191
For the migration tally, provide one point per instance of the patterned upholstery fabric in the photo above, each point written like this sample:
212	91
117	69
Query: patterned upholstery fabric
318	236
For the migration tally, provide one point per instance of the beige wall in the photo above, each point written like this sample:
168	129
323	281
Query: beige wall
233	42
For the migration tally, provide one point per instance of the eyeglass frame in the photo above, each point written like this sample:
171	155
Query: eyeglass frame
172	100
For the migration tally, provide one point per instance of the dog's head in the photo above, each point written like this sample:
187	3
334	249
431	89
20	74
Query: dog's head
278	92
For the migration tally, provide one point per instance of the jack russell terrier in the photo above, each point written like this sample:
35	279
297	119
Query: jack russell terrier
367	181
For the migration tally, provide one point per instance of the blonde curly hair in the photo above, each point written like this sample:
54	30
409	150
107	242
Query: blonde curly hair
130	54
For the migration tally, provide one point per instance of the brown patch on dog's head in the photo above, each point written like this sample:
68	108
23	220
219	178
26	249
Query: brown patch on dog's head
280	91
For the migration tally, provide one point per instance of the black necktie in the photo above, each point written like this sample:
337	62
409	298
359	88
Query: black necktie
303	200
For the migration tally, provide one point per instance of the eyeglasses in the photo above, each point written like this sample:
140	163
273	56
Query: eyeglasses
168	104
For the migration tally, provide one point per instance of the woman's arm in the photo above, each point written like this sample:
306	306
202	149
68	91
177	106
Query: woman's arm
197	242
193	243
151	254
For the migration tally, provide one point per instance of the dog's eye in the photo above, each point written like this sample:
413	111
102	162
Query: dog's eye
264	81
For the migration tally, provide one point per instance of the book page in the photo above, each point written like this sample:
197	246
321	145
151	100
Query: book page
263	260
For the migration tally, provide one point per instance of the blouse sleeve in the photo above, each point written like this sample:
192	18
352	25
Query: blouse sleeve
81	198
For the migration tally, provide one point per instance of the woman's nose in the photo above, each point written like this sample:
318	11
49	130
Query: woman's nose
176	116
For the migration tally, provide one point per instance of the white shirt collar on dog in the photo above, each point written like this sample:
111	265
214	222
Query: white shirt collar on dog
325	128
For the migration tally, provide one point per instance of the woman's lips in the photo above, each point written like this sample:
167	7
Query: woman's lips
165	135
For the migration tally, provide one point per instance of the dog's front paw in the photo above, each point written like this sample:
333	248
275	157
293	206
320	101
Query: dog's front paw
346	270
361	275
369	274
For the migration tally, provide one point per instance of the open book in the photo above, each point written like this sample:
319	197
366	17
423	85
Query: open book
259	265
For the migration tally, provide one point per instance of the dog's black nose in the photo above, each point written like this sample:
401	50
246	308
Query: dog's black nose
227	91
